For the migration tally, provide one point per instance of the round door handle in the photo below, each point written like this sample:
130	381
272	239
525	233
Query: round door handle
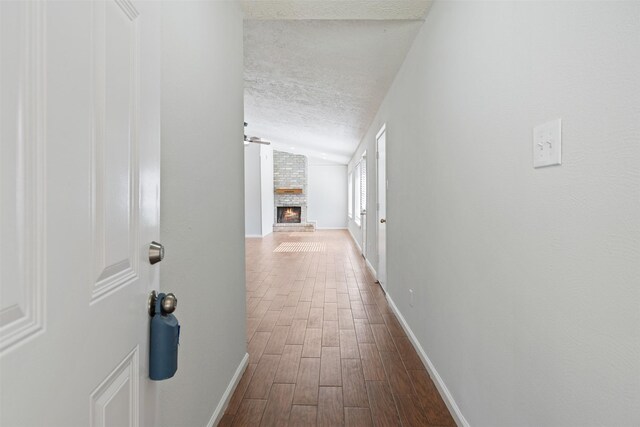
382	220
168	303
156	252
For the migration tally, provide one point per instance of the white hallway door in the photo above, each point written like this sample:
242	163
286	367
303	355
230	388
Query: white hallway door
363	203
80	173
381	150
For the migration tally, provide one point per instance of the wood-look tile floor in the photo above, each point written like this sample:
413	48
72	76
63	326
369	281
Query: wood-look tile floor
324	347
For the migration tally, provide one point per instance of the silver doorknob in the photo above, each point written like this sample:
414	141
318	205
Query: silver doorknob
382	220
156	253
363	212
168	304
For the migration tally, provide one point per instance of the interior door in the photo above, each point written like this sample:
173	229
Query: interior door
80	173
381	143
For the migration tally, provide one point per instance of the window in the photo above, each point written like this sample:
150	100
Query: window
356	208
350	196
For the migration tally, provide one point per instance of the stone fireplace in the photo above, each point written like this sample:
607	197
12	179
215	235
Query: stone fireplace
290	192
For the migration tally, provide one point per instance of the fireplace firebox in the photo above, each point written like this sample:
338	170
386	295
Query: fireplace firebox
289	214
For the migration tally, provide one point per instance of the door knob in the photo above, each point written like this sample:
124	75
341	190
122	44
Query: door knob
382	220
169	303
156	253
363	212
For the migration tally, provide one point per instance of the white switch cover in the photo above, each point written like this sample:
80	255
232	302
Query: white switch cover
547	144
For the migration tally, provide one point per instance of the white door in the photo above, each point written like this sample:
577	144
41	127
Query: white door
79	173
381	142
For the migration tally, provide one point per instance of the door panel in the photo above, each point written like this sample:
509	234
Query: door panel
80	160
115	146
114	403
21	174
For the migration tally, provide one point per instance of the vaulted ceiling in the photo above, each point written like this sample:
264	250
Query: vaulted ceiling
316	72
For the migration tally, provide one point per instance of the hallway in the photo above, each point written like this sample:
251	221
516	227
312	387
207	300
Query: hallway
324	346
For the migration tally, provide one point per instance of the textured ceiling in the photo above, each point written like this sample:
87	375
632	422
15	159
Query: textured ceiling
335	9
316	85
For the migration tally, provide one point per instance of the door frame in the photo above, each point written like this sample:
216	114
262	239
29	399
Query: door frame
382	131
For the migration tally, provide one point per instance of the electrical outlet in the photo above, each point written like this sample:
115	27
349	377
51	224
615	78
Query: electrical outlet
547	144
411	297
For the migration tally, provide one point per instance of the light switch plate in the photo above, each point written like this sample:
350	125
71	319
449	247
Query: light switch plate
547	144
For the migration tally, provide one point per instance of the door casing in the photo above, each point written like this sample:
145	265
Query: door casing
381	206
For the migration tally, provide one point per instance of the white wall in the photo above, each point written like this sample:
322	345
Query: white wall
252	191
327	193
258	190
266	182
202	165
526	281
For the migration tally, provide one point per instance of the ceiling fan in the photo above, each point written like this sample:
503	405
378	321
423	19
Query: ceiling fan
254	139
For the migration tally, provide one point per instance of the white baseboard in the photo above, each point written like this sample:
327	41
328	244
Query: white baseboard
259	236
354	240
267	233
224	401
331	228
440	385
373	270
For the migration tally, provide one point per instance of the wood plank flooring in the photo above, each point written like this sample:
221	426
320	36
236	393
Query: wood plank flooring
324	347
